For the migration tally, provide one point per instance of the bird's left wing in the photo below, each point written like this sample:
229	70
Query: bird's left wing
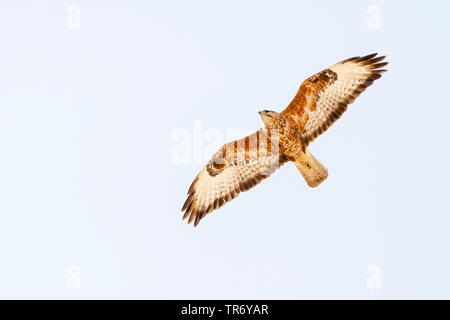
323	97
238	166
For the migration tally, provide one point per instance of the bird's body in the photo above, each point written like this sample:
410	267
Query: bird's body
241	164
293	147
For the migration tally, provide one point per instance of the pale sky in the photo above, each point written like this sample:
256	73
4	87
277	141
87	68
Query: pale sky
93	93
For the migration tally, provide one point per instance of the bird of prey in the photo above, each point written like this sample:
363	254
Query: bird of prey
240	165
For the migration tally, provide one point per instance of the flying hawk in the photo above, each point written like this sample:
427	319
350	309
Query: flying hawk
240	165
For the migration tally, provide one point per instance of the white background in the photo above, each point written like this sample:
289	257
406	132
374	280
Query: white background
90	193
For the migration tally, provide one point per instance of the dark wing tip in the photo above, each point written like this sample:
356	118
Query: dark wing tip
368	57
374	64
379	65
197	220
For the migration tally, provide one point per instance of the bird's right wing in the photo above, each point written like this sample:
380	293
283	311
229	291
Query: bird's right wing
238	166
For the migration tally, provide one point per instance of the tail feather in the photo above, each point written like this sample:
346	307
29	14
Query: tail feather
311	169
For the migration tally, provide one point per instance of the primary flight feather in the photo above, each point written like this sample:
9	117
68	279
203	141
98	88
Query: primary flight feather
240	165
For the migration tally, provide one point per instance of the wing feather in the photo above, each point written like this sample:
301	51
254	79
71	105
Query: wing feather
237	167
324	97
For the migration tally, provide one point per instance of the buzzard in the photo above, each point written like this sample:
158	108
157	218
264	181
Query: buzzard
240	165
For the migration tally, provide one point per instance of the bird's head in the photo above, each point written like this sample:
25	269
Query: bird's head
271	119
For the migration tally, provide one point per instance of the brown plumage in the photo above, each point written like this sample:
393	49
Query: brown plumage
323	98
240	165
